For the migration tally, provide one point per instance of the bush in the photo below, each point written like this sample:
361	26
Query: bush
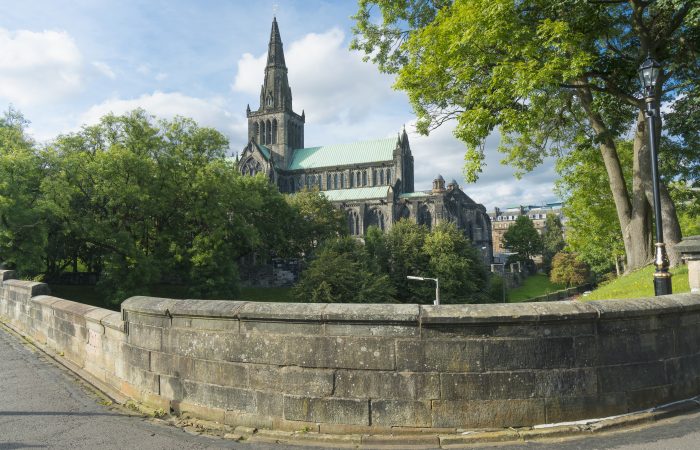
568	270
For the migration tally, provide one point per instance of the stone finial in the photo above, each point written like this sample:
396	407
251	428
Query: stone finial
439	184
689	248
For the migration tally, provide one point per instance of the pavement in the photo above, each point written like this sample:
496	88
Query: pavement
44	405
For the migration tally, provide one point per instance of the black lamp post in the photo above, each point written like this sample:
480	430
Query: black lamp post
649	75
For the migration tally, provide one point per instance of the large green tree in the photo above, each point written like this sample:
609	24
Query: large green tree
549	76
523	239
552	240
23	225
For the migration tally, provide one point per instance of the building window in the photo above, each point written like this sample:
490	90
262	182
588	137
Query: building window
328	181
359	183
335	181
388	176
374	177
351	179
381	177
364	178
342	181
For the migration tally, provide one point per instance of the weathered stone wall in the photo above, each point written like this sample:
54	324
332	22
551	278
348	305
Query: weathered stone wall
352	368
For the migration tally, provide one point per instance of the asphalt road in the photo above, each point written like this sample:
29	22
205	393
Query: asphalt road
43	405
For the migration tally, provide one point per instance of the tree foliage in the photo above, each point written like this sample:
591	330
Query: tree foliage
552	240
314	219
340	273
568	270
523	239
549	77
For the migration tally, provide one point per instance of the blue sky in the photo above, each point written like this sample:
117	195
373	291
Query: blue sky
66	63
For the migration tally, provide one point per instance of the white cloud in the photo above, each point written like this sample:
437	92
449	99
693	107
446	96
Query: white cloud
331	83
38	66
206	112
104	69
442	153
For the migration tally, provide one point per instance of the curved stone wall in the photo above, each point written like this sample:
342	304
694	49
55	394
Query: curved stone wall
355	368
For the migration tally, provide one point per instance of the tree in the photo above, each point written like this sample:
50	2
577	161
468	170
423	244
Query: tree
315	219
568	270
523	239
23	228
593	231
549	76
552	240
339	273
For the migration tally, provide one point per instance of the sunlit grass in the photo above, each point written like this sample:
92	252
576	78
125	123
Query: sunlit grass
639	283
532	287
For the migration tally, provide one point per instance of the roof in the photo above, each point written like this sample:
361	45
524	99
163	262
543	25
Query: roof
339	195
265	151
344	154
414	194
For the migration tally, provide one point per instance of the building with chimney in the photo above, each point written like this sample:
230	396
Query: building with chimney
371	180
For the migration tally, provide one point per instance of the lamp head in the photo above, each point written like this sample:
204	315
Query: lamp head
649	75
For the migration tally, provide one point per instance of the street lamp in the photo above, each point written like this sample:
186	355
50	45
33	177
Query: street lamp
649	76
437	286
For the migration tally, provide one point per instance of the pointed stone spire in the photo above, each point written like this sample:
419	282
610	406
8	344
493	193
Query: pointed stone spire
275	55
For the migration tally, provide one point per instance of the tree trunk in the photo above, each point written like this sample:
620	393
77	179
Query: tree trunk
632	210
670	226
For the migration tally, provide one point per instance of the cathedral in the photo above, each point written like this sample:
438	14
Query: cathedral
371	180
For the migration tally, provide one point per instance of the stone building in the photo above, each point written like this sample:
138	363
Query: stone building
372	180
502	219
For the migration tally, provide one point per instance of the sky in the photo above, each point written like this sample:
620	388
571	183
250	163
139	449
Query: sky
65	64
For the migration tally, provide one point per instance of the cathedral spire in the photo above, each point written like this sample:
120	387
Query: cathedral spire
275	55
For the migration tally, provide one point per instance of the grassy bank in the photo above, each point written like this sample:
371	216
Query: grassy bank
639	284
532	287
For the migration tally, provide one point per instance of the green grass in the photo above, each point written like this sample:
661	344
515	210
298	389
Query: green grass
89	295
638	284
532	287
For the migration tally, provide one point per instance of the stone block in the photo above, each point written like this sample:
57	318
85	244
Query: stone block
374	313
566	409
223	397
387	413
269	404
146	337
631	377
340	352
216	345
304	312
292	380
331	410
635	347
682	370
566	383
360	329
568	311
688	340
137	357
171	387
220	372
518	354
206	323
487	386
7	275
586	351
143	379
486	413
152	320
281	327
479	314
172	365
469	330
631	309
440	355
387	385
647	398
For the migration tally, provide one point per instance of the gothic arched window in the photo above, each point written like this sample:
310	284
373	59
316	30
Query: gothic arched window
328	181
269	100
268	132
388	176
251	167
335	181
274	131
342	181
381	177
364	178
256	131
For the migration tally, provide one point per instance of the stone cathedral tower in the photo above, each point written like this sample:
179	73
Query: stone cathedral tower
275	124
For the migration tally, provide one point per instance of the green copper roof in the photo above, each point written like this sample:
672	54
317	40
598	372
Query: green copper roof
414	194
265	151
341	195
344	154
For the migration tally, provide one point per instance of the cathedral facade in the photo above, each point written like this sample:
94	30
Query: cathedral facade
371	180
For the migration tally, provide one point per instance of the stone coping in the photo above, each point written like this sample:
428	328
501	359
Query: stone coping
412	313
